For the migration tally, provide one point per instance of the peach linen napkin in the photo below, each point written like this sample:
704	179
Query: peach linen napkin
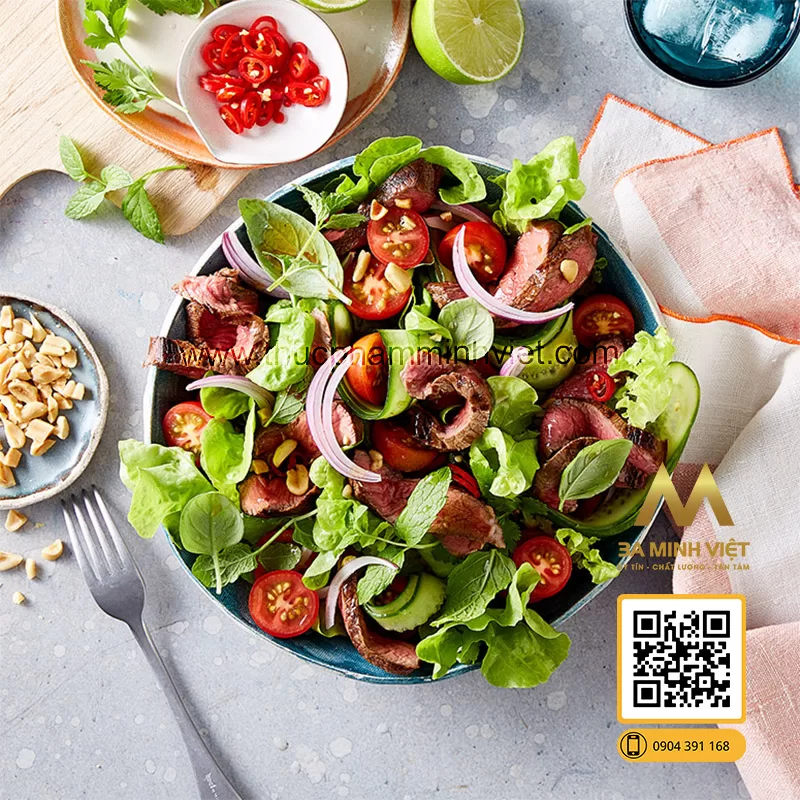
715	232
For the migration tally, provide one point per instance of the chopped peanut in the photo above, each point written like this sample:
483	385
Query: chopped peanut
7	479
12	458
297	480
259	466
6	317
569	269
362	265
377	211
53	551
18	598
404	202
9	561
15	520
40	448
62	428
30	569
283	451
39	430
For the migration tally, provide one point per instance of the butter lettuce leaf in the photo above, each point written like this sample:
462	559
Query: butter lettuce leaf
648	386
502	465
586	556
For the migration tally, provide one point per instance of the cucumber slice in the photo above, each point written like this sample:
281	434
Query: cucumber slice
398	604
341	323
400	347
674	425
428	597
548	347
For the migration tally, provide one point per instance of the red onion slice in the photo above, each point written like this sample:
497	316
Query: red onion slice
251	271
435	221
320	424
515	364
239	383
466	211
347	571
469	283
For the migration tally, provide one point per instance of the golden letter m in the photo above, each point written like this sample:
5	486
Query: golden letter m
704	489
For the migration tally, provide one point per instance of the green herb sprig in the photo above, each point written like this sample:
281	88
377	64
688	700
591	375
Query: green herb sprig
136	205
130	88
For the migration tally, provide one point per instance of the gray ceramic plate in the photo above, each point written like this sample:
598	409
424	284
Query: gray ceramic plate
165	389
45	476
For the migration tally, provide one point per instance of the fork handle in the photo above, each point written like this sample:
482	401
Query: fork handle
211	782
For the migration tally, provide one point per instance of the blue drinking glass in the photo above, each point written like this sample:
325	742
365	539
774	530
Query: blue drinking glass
714	43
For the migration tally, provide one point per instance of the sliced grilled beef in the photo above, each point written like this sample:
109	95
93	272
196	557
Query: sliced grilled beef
350	239
530	253
321	344
570	419
390	655
546	287
244	334
348	428
221	293
603	353
548	476
418	182
445	292
464	524
266	495
431	378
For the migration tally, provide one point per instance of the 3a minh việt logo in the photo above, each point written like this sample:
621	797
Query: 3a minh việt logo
705	488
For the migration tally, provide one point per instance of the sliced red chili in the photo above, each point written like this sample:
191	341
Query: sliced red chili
255	70
268	24
212	55
261	44
224	32
232	52
465	480
230	92
301	67
265	115
231	117
309	94
250	109
601	385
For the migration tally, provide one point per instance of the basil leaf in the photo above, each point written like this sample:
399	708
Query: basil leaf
71	159
513	404
594	469
318	572
424	503
473	584
139	211
86	200
471	327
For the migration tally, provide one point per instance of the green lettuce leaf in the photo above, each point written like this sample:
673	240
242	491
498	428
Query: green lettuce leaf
287	360
513	404
648	386
225	455
227	403
502	466
541	188
162	480
521	649
586	556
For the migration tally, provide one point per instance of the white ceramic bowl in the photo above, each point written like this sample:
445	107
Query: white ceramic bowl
306	130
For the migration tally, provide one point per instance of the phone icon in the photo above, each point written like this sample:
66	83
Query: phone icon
633	745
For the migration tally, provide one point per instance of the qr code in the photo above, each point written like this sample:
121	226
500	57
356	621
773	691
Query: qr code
681	657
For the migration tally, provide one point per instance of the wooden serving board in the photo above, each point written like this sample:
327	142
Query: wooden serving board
40	100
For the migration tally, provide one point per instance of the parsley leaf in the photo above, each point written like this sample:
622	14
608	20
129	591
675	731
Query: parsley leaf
187	8
108	30
127	88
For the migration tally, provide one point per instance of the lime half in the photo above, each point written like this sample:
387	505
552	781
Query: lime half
332	6
469	41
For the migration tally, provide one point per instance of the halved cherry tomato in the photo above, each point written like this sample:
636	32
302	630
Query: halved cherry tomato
224	32
485	247
400	236
602	315
255	70
251	109
400	450
183	424
212	55
281	605
550	559
601	385
301	67
367	376
373	296
465	480
231	117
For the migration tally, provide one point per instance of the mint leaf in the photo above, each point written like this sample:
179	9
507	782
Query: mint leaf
425	502
139	211
287	408
71	159
377	579
86	200
280	555
115	177
593	470
232	562
340	222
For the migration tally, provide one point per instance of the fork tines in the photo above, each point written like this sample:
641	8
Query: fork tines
97	545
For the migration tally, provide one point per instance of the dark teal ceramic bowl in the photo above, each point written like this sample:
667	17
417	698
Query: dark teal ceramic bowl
165	389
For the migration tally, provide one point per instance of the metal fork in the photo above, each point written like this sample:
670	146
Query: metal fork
117	587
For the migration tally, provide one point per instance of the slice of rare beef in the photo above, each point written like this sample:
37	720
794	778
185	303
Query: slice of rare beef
417	182
222	293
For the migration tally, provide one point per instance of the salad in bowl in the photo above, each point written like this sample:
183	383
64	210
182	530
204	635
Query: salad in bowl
404	409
